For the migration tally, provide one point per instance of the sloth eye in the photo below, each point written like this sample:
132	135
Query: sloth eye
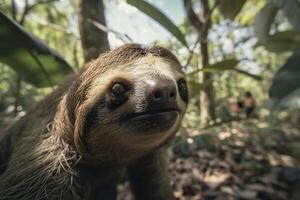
119	93
183	90
118	89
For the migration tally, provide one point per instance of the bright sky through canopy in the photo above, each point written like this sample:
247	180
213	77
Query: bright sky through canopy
126	19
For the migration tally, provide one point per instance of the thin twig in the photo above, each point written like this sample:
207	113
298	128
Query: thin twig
55	27
124	37
192	52
209	14
193	18
199	25
28	8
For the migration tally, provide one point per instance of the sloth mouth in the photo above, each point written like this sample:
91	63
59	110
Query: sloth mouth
152	121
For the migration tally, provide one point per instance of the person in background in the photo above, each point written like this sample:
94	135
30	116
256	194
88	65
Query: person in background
236	107
249	104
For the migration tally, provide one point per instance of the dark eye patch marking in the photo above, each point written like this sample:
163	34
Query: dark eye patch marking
108	102
93	116
113	102
99	110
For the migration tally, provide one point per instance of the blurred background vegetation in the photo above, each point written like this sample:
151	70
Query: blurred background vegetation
226	47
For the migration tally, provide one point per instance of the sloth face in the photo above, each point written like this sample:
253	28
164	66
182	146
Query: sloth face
136	107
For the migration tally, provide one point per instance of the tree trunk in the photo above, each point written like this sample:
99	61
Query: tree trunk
93	40
202	24
207	100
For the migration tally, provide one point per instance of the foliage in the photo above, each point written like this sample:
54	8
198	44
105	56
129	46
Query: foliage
50	21
263	22
286	80
231	8
219	66
31	58
284	41
279	41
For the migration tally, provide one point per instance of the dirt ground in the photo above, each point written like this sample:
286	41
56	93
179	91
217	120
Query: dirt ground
242	160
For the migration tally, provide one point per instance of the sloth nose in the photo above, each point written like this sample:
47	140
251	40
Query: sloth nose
163	94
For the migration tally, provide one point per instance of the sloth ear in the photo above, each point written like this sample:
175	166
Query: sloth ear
80	133
73	103
72	109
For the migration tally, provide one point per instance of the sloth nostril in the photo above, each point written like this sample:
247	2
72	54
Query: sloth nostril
157	95
172	94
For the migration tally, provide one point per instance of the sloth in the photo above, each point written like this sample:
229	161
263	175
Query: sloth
117	113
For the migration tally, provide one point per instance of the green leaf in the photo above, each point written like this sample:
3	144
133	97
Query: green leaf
283	41
263	22
286	80
159	17
243	72
228	64
231	8
247	18
250	10
30	57
286	36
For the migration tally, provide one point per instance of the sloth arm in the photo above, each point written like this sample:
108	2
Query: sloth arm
149	177
7	139
5	146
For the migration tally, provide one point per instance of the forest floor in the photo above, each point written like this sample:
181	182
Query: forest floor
245	161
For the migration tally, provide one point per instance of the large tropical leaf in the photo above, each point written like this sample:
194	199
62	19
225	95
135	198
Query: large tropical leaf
231	8
263	22
283	41
158	16
219	66
250	10
286	80
30	57
247	18
280	41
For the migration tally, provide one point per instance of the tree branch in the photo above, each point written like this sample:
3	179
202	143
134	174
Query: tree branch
55	27
124	37
193	18
199	25
208	16
192	52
